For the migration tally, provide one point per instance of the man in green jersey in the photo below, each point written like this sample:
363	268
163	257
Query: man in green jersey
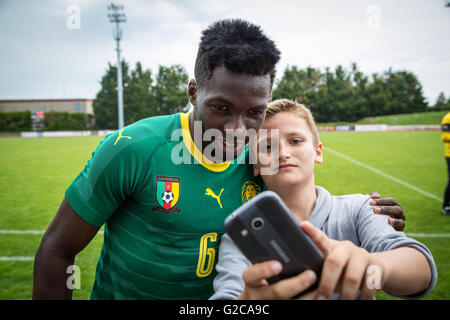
163	198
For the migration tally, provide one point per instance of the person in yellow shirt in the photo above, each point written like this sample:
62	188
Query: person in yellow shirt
445	127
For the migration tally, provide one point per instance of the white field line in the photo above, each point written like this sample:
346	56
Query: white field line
30	232
428	235
3	259
406	184
34	232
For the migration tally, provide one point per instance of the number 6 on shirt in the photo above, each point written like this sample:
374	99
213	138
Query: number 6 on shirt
202	270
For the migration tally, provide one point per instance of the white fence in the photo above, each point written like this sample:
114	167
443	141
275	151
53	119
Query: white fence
53	134
378	127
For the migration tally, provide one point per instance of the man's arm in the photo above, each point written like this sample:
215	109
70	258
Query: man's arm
66	236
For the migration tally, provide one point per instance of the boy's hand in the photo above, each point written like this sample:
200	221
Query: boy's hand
257	287
345	267
390	207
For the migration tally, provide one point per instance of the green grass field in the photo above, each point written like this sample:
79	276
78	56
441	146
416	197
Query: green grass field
36	172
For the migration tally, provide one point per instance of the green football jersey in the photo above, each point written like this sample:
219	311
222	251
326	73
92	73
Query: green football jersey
163	205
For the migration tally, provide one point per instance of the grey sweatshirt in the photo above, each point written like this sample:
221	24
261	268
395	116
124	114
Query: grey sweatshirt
348	217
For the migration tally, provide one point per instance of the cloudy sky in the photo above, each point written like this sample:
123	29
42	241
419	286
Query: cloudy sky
46	52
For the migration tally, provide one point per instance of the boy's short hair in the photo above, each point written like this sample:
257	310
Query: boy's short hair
237	45
284	105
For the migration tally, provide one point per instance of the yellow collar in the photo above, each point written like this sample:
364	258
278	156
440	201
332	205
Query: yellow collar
195	152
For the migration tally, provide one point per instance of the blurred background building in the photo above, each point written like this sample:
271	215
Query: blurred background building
47	105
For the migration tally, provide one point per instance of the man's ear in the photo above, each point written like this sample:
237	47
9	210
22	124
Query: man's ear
319	153
192	92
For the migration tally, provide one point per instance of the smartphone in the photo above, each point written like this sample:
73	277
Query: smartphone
264	229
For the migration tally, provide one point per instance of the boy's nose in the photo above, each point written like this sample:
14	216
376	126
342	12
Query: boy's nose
283	151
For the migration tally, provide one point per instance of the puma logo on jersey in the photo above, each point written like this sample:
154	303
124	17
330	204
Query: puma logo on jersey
121	136
211	193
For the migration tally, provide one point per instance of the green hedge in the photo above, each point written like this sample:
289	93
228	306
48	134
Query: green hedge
440	107
61	121
15	121
53	121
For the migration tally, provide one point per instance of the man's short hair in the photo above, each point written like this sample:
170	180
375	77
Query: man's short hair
237	45
284	105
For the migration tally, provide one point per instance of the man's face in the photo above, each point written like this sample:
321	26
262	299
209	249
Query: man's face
231	103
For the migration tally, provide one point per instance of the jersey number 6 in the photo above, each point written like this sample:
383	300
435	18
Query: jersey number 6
206	255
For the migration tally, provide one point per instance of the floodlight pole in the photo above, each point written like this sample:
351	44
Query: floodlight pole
119	87
115	16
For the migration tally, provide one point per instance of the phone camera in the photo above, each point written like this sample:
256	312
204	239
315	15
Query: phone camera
257	223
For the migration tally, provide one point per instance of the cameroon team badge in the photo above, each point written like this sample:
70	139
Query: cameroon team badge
167	194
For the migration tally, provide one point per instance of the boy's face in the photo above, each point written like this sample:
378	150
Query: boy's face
296	153
233	102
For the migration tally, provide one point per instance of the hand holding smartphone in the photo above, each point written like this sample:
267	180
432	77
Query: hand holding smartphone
264	229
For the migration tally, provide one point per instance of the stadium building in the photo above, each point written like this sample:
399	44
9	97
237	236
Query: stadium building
46	105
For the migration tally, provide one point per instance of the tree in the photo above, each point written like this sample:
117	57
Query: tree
297	84
300	85
349	95
171	90
105	103
341	95
440	100
405	93
441	103
331	96
376	96
140	96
